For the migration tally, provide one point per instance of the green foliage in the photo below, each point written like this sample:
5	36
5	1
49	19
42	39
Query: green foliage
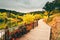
12	18
49	6
1	20
57	4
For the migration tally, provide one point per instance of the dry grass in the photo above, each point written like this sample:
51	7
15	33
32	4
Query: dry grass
54	22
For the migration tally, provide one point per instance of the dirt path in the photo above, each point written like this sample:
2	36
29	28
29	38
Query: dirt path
42	32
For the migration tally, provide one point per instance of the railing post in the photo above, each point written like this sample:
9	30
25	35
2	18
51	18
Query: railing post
50	33
6	33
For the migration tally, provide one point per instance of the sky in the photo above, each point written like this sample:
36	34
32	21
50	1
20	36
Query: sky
23	5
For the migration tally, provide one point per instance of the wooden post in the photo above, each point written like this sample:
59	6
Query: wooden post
50	34
6	33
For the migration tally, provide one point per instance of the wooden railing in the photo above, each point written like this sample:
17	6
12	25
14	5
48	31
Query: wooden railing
16	32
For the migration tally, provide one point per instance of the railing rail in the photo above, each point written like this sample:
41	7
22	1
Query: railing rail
15	32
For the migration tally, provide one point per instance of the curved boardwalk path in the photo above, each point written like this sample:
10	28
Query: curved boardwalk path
42	32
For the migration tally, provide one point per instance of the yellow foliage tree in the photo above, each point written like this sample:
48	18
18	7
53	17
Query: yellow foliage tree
28	18
3	15
45	13
3	25
37	16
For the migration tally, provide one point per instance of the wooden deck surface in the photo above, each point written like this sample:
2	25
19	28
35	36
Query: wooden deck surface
42	32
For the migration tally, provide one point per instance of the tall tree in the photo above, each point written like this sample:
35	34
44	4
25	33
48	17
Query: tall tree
49	6
57	4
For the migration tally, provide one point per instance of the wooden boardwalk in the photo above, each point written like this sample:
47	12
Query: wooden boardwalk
42	32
